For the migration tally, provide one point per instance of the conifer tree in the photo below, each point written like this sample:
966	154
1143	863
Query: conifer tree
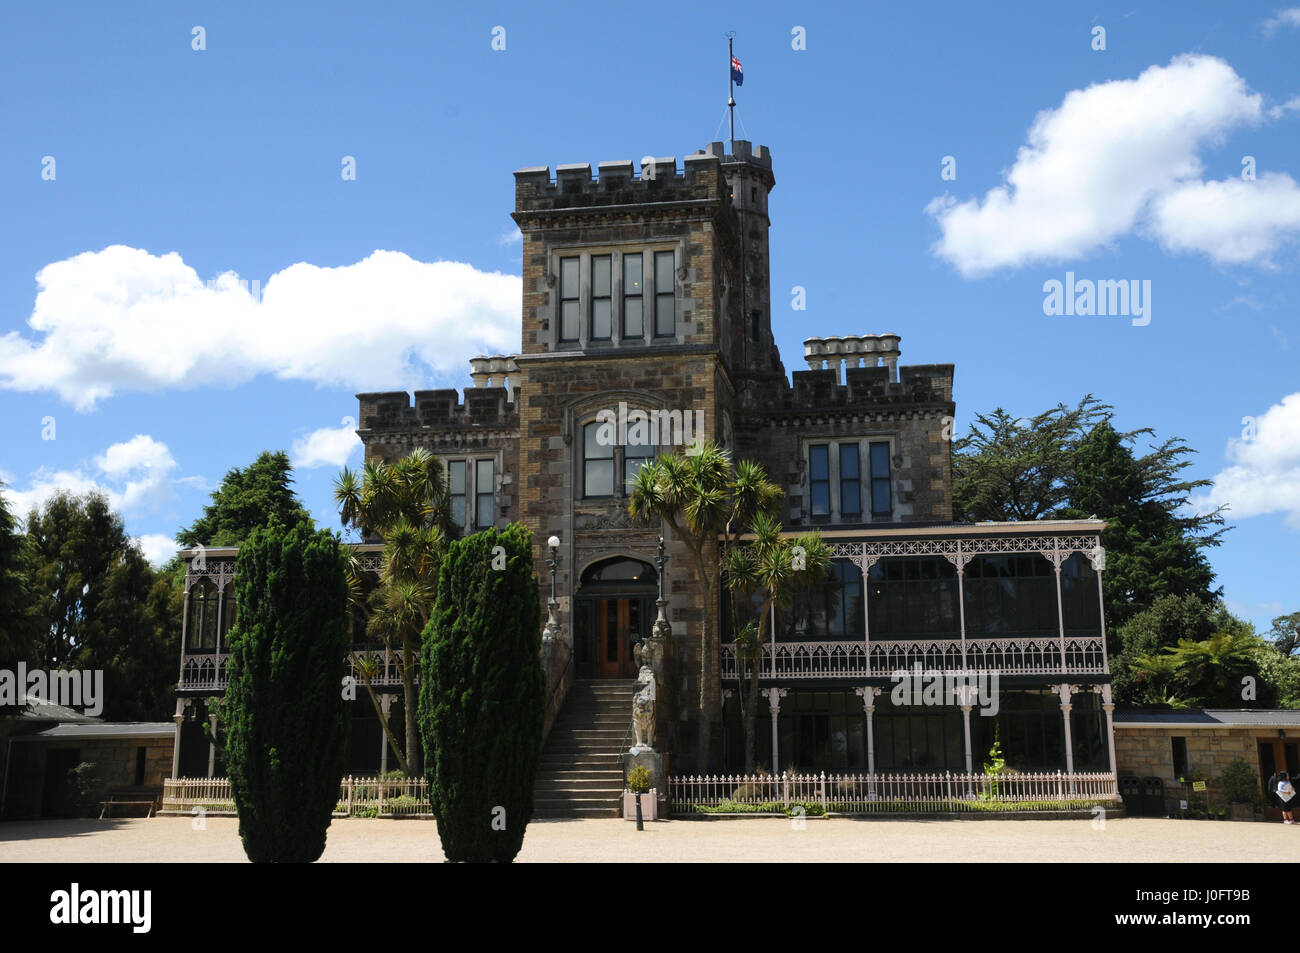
483	695
285	714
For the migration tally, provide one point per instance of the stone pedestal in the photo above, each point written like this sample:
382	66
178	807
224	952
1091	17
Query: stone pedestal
653	762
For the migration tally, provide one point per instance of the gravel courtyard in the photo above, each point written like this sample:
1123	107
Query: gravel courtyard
1124	840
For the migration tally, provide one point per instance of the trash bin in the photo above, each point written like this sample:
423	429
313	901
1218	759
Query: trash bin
1153	797
1130	790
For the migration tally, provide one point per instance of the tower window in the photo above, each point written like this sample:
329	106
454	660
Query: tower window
569	299
665	298
753	196
753	326
600	298
633	325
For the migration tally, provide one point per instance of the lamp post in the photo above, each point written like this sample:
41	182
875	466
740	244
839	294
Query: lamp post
554	544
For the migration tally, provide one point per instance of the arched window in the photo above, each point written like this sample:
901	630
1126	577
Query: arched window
636	454
597	460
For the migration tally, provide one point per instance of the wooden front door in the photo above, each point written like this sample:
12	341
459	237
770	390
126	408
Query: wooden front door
616	622
1276	754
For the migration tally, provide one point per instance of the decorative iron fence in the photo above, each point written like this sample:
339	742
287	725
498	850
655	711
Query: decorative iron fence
358	797
892	793
1011	656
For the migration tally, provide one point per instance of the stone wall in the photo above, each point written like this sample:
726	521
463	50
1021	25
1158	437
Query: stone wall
1148	752
115	760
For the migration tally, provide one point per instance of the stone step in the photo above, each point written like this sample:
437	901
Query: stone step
550	788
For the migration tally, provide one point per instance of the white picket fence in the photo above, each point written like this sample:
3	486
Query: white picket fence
371	797
945	793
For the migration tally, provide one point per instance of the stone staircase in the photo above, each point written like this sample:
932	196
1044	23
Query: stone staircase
581	774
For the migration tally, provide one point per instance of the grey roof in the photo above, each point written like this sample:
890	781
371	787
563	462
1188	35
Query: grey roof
38	709
106	729
1212	717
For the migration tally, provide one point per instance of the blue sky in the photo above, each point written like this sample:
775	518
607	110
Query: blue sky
174	166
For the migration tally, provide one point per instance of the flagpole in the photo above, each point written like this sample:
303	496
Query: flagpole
731	89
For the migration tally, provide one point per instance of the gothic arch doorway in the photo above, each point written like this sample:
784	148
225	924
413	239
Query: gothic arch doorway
613	612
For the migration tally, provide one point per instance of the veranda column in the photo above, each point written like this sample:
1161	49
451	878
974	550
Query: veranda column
212	743
176	744
868	695
1065	692
965	719
774	696
1108	706
385	703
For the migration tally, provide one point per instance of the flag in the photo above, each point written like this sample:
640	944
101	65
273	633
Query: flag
737	76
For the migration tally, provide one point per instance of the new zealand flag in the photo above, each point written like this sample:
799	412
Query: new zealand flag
737	75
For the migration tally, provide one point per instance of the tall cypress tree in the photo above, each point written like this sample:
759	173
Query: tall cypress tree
286	719
482	695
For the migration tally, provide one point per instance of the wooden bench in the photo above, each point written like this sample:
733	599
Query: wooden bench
107	806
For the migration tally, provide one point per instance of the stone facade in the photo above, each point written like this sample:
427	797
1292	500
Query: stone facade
716	362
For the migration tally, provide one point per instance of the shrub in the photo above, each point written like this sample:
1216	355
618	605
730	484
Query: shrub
638	779
483	695
287	723
1239	783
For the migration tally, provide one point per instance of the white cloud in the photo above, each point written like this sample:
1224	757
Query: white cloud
1092	167
512	237
1264	472
1288	17
1233	221
123	319
1291	105
157	547
328	446
134	475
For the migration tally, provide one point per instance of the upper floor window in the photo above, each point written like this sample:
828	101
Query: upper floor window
837	483
457	486
484	496
472	479
850	481
819	480
201	622
881	502
229	613
635	455
570	288
665	312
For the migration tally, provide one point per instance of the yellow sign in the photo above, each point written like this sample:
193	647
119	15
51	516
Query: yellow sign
1198	785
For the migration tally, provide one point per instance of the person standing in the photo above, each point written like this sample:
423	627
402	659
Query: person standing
1285	796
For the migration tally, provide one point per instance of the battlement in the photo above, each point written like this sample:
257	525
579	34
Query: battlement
484	408
625	182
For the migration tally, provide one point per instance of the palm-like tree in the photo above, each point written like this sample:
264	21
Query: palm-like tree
701	496
407	504
775	569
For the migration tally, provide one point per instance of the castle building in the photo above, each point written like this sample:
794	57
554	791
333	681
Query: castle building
646	312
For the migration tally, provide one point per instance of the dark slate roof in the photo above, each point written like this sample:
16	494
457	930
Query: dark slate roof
105	729
38	710
1211	717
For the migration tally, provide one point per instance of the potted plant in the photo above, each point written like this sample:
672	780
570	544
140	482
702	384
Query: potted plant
638	784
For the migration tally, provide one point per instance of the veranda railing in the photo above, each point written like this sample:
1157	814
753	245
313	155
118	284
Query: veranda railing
945	793
369	797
